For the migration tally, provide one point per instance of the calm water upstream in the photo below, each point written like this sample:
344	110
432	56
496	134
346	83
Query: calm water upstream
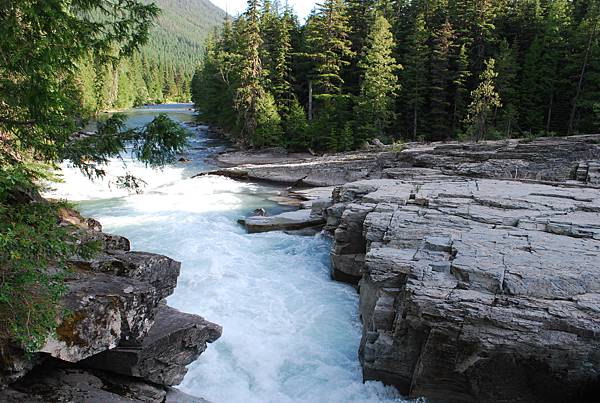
291	334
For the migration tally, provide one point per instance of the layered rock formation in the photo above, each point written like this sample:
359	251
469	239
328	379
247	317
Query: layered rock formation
549	159
119	341
477	264
474	290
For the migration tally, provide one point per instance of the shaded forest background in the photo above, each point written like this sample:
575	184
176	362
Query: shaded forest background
403	69
162	70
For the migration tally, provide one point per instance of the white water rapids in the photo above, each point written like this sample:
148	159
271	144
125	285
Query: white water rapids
290	333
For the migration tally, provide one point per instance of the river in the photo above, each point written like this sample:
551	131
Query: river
291	334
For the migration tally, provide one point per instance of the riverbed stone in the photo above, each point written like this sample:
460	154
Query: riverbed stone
290	220
103	311
175	340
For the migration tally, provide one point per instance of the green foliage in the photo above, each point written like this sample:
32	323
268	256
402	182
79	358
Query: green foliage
414	76
485	100
547	57
159	142
328	46
268	123
162	70
439	108
296	127
379	87
33	258
64	62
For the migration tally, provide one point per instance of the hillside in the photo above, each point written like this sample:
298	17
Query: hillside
182	29
162	71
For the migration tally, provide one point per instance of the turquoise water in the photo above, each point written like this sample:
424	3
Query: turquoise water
290	334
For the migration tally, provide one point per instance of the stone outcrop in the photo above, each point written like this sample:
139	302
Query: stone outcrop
554	159
311	171
473	290
118	342
177	339
52	383
290	220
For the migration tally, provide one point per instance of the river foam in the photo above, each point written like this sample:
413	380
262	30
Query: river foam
290	334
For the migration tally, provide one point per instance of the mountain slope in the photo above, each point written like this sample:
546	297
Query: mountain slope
182	29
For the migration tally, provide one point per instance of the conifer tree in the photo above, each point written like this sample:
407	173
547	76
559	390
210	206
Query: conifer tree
484	100
588	29
280	83
327	34
258	119
507	68
439	80
460	78
375	104
360	20
414	75
250	89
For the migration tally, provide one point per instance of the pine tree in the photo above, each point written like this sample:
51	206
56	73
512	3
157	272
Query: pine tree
86	83
360	20
250	89
327	34
460	77
296	127
588	29
508	69
256	112
484	100
375	104
440	79
280	73
414	77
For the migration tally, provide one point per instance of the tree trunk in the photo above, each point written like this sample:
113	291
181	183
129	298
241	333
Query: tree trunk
415	121
310	100
580	83
549	119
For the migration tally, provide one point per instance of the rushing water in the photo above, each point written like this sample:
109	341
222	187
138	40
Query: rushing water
290	334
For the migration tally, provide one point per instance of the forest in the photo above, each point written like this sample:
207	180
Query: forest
401	70
161	70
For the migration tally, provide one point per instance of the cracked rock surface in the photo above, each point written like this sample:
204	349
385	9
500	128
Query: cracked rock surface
473	290
554	159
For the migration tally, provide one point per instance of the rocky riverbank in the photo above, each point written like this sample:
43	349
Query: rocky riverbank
119	342
477	264
553	159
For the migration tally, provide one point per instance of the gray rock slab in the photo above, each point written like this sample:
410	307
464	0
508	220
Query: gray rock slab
473	289
175	340
291	220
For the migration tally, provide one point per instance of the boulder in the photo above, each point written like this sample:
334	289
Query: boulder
291	220
103	311
175	340
159	271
